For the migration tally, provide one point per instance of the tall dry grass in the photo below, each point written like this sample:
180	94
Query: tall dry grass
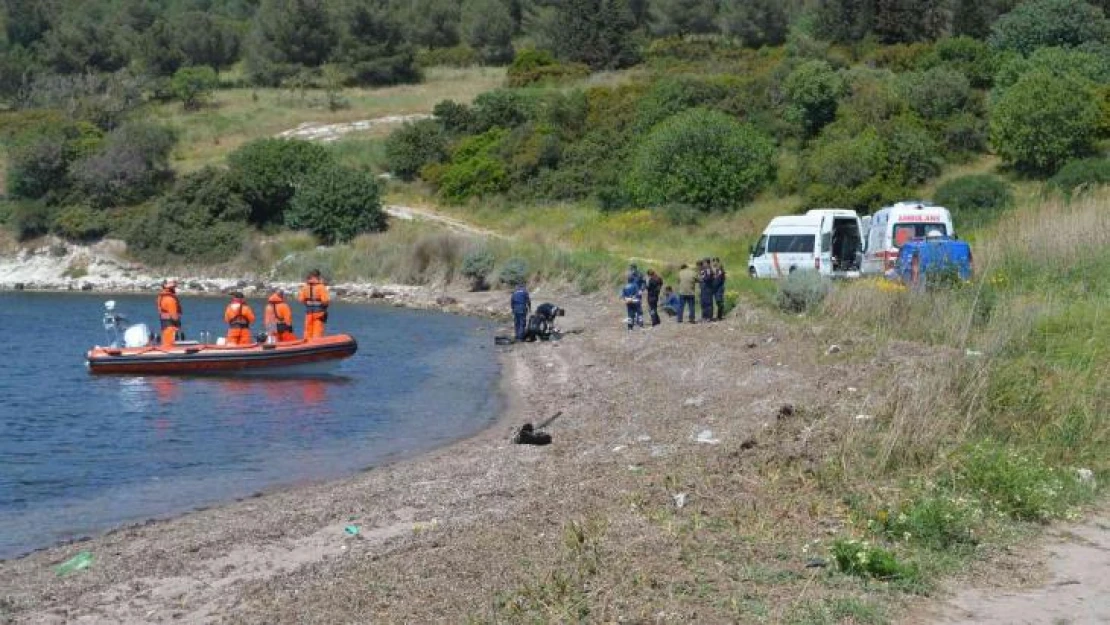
1019	355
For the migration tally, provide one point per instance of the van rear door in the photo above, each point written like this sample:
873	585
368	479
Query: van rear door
822	257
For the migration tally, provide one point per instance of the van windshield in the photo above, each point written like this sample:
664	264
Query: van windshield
904	233
790	244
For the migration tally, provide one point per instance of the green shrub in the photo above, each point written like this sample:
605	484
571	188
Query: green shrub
1043	121
971	57
193	85
936	520
477	265
863	559
30	219
1082	173
681	214
964	135
936	93
1042	23
974	200
702	158
802	291
812	91
202	220
455	117
535	67
1090	65
461	55
132	166
337	204
502	108
414	145
513	272
80	224
267	171
1017	483
475	170
487	26
912	156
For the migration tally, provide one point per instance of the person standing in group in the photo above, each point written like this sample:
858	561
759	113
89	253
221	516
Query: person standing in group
239	318
279	318
314	296
687	280
719	277
169	312
521	304
707	280
654	285
633	305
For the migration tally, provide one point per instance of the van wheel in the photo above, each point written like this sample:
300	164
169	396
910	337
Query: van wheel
752	273
793	269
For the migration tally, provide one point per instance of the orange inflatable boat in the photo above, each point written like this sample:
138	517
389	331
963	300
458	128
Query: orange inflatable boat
293	357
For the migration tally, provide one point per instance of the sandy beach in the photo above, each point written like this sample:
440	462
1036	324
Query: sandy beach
679	488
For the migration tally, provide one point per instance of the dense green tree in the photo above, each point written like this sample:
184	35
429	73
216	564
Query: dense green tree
431	23
1043	121
1041	23
487	27
372	45
412	146
812	91
702	158
17	66
1093	65
755	22
286	36
337	204
26	21
206	39
599	33
194	85
683	17
157	49
83	39
972	18
904	21
267	172
843	20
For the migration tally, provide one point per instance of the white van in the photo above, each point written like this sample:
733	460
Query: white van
893	226
825	240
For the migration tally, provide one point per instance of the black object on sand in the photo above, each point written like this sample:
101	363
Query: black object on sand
526	435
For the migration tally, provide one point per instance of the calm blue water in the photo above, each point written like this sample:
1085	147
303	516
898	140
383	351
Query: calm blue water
82	453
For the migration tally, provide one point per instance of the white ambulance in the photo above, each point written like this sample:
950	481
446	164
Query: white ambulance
827	240
893	226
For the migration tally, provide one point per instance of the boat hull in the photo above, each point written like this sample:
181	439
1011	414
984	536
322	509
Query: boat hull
316	356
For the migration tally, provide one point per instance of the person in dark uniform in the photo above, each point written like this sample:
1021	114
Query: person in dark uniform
521	304
630	295
719	277
654	285
541	325
706	278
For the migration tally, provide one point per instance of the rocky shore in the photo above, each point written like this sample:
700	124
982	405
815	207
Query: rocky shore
55	266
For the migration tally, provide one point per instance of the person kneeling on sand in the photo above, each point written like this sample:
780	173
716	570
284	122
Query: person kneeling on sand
542	323
671	301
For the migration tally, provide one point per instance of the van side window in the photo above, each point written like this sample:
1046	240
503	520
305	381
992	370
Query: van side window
790	243
760	246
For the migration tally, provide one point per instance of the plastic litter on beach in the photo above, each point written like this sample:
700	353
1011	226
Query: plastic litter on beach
78	562
706	436
679	500
352	530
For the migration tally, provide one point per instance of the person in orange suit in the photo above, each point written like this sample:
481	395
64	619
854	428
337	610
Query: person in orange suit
169	312
279	318
239	318
314	296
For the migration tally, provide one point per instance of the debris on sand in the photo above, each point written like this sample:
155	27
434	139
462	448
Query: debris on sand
706	436
679	500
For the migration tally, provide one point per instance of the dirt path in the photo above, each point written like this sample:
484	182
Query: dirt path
1076	592
411	213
